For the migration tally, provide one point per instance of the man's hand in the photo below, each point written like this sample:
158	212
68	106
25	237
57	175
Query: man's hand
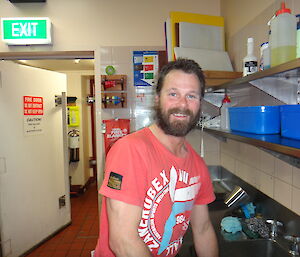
124	220
205	240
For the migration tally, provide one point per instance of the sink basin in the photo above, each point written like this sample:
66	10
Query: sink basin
252	248
220	189
219	186
240	248
247	248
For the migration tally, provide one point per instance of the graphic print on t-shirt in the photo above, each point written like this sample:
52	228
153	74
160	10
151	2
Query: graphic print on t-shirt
166	210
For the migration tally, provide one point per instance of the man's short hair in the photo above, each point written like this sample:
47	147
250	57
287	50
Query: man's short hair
185	65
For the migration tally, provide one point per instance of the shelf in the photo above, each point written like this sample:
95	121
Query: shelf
282	84
274	142
286	70
217	78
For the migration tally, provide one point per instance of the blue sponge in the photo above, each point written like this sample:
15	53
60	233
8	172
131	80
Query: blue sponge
231	224
248	210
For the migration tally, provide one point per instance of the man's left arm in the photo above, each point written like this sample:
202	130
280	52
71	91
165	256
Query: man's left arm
205	240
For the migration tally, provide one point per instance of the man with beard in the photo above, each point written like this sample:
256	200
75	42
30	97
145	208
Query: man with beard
155	184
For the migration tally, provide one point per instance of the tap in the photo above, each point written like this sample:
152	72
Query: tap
294	249
236	197
274	228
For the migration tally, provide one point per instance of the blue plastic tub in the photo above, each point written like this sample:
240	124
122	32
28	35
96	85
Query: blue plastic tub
255	119
290	121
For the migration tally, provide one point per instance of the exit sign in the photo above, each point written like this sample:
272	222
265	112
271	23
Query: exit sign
26	31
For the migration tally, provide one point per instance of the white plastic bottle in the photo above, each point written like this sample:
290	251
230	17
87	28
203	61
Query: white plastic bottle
298	37
224	122
283	36
265	59
250	60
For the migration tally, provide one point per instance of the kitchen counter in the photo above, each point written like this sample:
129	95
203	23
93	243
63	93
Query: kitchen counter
223	182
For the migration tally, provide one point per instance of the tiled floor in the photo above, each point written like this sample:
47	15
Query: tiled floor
80	238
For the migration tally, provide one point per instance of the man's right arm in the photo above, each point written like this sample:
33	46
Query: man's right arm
123	220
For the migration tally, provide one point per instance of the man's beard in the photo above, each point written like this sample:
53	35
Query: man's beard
176	128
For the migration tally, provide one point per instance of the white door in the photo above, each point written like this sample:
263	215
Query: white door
33	166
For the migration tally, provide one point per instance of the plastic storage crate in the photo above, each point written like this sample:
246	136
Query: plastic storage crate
255	119
290	121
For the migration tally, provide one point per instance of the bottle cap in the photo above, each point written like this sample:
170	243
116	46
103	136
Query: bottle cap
264	43
283	9
226	99
298	23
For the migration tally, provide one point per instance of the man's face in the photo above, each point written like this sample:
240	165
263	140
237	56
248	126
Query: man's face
178	106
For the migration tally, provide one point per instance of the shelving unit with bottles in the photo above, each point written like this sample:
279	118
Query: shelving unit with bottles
277	85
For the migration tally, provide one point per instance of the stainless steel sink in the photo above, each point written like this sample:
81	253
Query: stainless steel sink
240	248
223	183
220	189
252	248
247	248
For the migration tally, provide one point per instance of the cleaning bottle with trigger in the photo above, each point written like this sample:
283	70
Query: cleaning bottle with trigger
224	122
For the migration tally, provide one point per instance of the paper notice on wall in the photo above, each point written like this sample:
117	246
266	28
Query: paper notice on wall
143	118
33	125
33	110
144	97
145	66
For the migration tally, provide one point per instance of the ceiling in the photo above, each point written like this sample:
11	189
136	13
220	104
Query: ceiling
60	65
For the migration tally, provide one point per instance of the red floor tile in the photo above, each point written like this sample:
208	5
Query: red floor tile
60	253
74	253
80	238
85	253
69	237
90	245
77	246
50	244
48	253
64	246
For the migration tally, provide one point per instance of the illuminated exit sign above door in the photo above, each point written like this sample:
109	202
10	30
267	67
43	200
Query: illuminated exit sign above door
26	31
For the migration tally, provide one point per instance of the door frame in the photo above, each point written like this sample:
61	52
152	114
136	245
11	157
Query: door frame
39	55
47	55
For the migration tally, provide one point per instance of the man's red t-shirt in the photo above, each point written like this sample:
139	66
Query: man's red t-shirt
141	171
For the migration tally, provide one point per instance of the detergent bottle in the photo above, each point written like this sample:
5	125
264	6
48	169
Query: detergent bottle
283	36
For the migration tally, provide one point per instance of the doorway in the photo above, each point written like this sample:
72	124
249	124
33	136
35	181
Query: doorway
79	68
29	59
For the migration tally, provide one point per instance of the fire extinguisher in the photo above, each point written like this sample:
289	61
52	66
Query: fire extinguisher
74	145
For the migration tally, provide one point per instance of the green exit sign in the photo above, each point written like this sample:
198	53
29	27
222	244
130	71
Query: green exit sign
26	31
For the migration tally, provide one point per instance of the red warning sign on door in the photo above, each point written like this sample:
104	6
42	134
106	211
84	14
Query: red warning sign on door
33	105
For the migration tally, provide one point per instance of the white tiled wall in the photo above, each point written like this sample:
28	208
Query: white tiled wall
283	192
211	153
295	199
274	177
121	57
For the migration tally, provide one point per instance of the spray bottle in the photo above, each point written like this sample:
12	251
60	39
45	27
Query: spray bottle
226	103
